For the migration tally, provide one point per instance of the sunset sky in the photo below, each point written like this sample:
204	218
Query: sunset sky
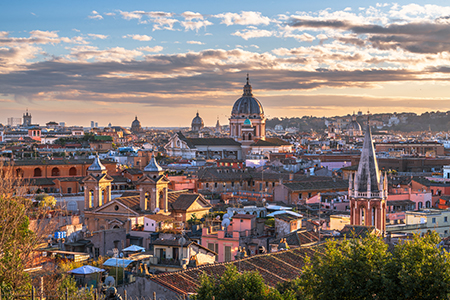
107	61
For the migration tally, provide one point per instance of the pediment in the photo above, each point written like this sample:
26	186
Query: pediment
115	207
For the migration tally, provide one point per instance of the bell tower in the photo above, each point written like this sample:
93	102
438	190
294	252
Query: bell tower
368	189
97	185
153	188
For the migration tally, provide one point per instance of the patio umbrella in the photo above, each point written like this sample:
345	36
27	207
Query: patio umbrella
84	270
134	248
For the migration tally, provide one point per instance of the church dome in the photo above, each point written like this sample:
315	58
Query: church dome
136	125
354	125
197	123
247	104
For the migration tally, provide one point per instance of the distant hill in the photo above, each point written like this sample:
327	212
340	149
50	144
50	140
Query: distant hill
402	122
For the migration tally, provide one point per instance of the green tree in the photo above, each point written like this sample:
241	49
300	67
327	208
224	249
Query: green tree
233	285
16	240
364	269
351	269
46	201
419	269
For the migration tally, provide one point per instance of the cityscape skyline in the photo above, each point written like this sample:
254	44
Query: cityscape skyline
110	61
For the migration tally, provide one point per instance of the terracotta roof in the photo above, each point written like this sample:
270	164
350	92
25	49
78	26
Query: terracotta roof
244	216
286	217
183	200
317	185
271	142
273	267
132	202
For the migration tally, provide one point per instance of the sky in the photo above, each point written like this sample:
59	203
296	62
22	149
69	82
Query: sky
162	61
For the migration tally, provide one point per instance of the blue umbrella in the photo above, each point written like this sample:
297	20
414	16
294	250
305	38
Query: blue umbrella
84	270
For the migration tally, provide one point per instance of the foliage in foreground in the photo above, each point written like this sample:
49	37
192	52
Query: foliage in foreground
364	269
233	285
350	269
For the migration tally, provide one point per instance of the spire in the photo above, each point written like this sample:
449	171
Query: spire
368	167
247	88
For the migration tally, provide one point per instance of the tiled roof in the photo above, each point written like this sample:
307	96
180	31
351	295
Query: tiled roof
298	238
213	142
355	231
134	171
427	182
286	217
38	181
273	267
132	202
32	162
244	216
317	185
182	200
271	142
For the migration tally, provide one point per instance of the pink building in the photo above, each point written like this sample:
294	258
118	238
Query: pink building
226	242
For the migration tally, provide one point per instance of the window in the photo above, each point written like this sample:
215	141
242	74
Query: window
37	172
300	196
433	220
309	195
116	207
445	219
215	184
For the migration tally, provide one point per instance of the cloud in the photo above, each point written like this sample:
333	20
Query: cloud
116	54
189	15
95	15
195	43
138	37
244	18
75	40
97	36
253	33
110	14
413	37
151	49
195	25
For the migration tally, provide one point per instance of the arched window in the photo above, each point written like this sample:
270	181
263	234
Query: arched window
73	171
249	136
91	199
428	204
19	172
420	205
55	172
103	198
161	199
37	172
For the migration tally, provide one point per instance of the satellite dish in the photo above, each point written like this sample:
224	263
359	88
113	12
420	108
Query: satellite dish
226	216
182	241
226	223
156	210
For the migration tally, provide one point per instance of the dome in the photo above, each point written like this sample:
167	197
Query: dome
247	122
136	125
153	166
247	104
197	123
97	165
354	125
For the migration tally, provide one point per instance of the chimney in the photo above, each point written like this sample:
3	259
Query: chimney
291	176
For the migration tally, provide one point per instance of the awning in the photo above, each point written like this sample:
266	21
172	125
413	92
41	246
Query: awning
117	262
